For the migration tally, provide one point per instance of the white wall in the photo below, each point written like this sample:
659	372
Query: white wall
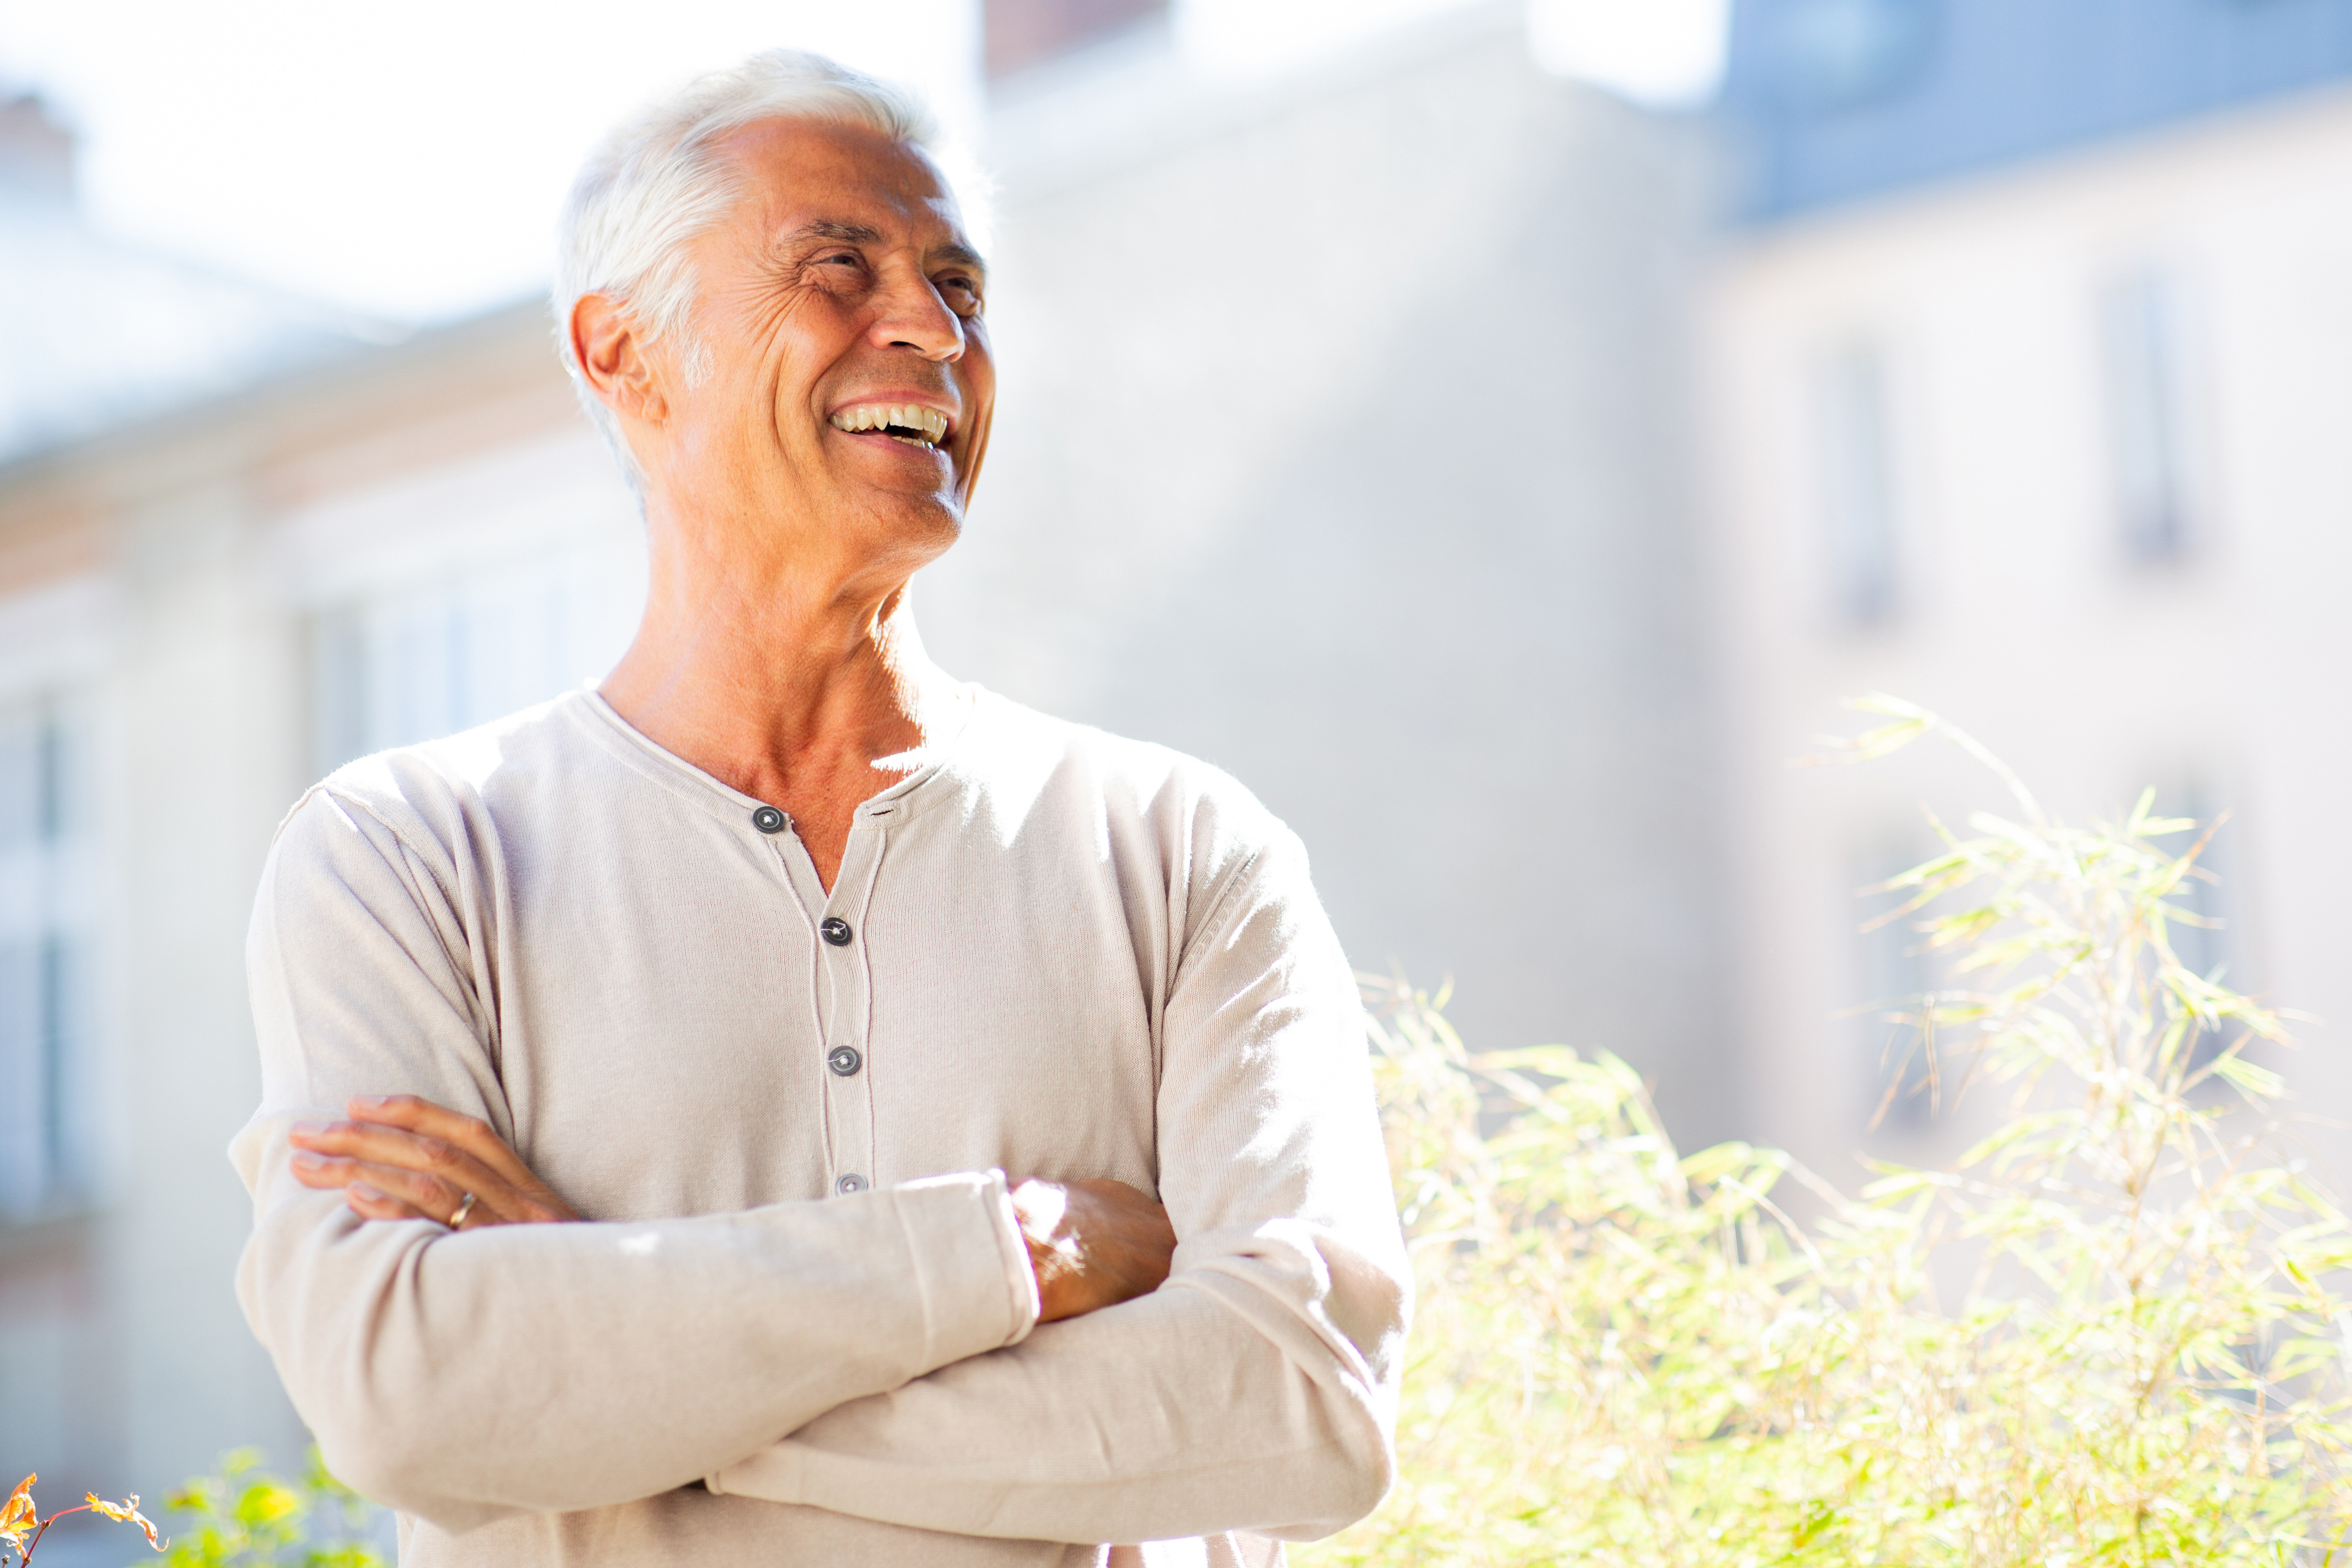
2022	615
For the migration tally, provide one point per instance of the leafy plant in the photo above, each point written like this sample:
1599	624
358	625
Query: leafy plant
22	1526
1628	1356
247	1517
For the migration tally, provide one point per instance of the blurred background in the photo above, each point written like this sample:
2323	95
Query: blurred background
1500	433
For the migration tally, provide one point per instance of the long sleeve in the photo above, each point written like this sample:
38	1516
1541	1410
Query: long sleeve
465	1377
1253	1392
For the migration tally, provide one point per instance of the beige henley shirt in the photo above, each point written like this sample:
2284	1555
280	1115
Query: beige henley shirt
802	1329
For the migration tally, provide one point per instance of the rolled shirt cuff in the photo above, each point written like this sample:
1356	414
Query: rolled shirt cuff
1020	1272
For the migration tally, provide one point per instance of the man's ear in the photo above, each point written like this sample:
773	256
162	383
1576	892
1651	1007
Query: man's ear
606	345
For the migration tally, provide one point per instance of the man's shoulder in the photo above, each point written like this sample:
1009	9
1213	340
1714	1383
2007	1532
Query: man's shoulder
423	793
1144	784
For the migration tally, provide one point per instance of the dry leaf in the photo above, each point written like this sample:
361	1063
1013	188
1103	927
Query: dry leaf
127	1510
18	1517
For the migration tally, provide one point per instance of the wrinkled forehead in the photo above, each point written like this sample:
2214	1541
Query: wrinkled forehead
793	170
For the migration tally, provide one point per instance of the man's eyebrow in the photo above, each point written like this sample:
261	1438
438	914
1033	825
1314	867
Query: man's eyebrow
954	252
834	228
961	256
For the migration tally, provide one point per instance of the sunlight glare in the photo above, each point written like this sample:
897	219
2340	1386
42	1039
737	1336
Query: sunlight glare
1660	53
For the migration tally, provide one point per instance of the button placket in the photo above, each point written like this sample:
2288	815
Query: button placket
841	955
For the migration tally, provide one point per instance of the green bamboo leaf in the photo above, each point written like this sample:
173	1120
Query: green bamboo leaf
2244	1075
1902	1184
1709	1164
2117	1331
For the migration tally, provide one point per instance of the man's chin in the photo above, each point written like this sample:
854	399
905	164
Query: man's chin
928	522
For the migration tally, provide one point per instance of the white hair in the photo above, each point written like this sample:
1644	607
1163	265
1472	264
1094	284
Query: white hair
658	180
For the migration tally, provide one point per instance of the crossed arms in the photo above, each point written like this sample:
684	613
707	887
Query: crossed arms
1090	1243
868	1354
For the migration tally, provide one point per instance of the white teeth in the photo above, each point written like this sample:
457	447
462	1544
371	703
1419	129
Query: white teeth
905	416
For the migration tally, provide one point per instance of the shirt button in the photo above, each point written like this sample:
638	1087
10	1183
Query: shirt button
853	1183
835	930
768	819
844	1060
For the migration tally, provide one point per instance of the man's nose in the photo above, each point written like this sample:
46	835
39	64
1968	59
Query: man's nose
914	316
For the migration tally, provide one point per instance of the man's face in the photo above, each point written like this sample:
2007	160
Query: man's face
849	389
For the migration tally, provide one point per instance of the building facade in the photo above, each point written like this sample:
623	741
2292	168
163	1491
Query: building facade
2026	372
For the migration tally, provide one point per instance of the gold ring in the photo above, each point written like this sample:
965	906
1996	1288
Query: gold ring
463	1210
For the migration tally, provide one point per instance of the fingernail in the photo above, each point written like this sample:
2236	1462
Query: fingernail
308	1161
309	1129
361	1190
372	1099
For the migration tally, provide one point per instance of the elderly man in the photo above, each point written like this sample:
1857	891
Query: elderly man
641	1072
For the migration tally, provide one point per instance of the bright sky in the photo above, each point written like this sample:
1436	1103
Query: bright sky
407	160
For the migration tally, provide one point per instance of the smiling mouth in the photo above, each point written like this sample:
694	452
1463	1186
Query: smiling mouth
907	422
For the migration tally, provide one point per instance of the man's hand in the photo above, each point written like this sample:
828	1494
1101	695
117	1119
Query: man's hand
1093	1243
400	1157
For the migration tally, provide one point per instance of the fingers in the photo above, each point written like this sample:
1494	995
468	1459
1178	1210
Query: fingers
470	1134
520	1197
369	1202
415	1151
380	1192
419	1154
431	1175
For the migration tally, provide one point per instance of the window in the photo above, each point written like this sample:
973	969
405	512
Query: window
1903	1086
47	896
1857	483
429	660
2201	942
2140	354
2206	942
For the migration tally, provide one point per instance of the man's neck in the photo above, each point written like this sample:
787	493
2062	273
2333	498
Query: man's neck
790	692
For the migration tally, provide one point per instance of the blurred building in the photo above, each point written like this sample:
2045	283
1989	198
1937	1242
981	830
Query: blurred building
239	542
100	333
1341	442
2028	368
